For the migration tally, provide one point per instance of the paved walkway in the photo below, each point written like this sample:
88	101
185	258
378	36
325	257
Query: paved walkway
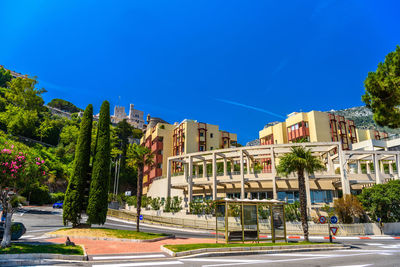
101	247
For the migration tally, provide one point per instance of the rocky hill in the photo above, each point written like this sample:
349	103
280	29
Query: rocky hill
362	117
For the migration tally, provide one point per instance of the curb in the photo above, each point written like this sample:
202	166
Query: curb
112	239
204	252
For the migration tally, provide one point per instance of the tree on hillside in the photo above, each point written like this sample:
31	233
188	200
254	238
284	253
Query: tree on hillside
382	91
299	160
382	201
98	195
137	157
19	169
5	77
75	195
63	105
24	94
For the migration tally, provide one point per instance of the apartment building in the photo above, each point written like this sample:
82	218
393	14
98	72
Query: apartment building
166	140
317	126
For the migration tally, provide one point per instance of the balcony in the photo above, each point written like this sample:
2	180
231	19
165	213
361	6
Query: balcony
157	145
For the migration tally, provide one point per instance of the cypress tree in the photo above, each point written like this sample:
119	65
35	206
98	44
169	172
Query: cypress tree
75	195
98	195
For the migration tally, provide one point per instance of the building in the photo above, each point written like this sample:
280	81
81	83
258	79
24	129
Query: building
134	118
317	126
347	171
166	140
15	74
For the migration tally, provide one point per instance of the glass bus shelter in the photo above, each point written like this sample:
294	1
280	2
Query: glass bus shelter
250	220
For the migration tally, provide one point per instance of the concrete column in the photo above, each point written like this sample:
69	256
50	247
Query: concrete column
214	174
196	171
377	171
273	171
359	170
225	167
381	167
189	179
390	167
343	172
398	165
331	168
248	165
204	169
168	178
308	192
368	168
232	166
242	196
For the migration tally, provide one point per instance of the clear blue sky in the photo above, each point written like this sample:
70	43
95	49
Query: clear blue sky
238	64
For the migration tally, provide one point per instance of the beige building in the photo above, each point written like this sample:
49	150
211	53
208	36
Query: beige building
166	140
347	171
134	118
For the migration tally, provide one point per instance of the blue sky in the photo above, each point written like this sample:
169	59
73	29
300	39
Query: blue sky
238	64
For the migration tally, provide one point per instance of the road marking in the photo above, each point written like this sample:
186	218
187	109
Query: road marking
39	237
220	260
374	244
128	257
152	263
362	265
27	236
43	230
284	260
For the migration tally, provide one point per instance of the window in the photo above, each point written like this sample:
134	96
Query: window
201	134
321	196
211	148
224	142
233	195
289	196
211	135
201	148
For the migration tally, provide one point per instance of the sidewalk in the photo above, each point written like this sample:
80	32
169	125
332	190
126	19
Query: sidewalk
101	247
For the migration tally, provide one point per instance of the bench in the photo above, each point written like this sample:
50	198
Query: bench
237	235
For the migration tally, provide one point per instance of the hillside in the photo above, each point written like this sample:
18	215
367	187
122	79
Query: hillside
362	117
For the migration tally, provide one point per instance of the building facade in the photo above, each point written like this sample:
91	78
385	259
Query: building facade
166	140
347	171
134	118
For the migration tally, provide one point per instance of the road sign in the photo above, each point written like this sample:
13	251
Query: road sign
334	220
379	219
141	217
322	219
334	230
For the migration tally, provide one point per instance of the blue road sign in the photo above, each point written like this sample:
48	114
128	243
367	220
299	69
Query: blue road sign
379	219
141	217
334	220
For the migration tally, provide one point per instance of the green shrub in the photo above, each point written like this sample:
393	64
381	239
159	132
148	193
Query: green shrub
292	212
131	201
196	208
38	195
264	212
167	207
155	203
209	207
55	197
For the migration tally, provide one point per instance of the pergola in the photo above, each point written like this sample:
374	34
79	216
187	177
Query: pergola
250	220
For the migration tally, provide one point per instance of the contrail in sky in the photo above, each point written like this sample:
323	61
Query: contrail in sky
250	107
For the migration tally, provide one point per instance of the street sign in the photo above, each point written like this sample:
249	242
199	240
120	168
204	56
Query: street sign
334	230
334	220
322	219
379	219
141	217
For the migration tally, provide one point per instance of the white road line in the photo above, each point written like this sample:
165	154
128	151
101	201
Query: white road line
219	260
152	263
43	230
128	257
363	265
27	236
284	260
374	244
39	237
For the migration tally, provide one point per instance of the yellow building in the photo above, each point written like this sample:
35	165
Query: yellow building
166	140
317	126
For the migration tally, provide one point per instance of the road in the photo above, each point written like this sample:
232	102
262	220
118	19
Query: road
362	254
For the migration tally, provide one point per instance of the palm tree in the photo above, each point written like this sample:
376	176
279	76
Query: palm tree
137	157
297	161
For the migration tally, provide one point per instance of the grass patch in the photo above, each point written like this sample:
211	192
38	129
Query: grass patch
17	248
186	247
104	232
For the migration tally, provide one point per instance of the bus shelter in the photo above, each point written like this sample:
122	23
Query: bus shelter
250	220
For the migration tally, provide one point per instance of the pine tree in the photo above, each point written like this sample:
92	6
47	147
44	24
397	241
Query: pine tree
74	197
98	195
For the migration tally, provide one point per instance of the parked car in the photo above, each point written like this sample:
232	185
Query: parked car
58	205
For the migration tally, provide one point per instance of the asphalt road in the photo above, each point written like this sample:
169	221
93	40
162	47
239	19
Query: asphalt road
363	253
